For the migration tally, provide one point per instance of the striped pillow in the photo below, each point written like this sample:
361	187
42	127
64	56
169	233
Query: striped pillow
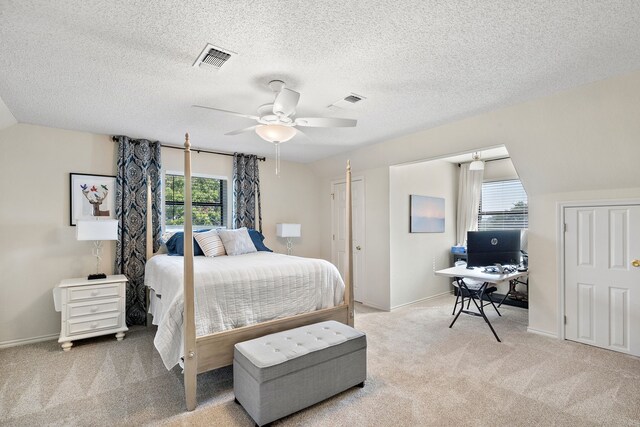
210	243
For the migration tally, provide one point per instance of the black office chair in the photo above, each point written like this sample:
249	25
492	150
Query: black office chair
473	286
471	290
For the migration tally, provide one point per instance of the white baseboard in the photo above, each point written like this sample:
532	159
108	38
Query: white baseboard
24	341
368	304
544	333
422	299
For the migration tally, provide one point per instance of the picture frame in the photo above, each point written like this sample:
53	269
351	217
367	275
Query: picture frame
91	196
426	214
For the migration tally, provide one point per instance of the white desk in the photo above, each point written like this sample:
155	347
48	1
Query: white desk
462	272
476	273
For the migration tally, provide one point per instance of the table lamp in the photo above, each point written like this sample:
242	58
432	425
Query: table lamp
288	231
97	230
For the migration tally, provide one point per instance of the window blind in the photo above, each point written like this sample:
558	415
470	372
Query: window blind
503	206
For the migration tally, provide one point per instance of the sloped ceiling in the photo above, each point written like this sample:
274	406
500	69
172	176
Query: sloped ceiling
121	67
6	118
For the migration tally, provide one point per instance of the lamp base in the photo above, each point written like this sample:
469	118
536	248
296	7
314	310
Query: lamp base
97	276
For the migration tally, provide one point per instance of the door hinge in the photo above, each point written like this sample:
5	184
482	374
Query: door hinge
333	237
565	320
332	196
565	227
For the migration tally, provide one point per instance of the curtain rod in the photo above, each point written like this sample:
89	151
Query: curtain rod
198	150
491	160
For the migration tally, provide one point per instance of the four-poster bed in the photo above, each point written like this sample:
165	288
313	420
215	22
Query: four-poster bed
215	350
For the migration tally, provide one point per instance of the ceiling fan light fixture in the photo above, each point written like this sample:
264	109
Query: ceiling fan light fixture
476	164
275	133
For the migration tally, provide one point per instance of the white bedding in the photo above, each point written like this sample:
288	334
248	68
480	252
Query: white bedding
235	291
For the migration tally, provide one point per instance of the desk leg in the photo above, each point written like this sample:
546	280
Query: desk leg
490	327
459	311
480	308
492	303
512	290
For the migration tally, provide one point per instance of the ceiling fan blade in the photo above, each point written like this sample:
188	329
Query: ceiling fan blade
248	116
325	122
286	102
239	131
303	136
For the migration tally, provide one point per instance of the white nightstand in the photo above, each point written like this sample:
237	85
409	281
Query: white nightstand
91	308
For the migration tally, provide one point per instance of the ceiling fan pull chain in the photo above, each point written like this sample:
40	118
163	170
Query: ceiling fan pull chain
277	144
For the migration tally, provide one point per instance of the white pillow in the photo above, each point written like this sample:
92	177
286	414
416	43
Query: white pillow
237	242
210	243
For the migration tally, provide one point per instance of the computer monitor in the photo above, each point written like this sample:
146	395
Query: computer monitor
493	247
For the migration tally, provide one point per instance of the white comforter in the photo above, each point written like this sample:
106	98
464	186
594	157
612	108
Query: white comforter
235	291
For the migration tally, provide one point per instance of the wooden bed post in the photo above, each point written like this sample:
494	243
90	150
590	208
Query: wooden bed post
149	220
149	237
190	356
348	292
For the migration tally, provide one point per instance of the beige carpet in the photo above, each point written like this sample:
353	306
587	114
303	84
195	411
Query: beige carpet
420	373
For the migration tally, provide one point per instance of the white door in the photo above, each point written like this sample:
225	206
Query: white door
338	232
602	277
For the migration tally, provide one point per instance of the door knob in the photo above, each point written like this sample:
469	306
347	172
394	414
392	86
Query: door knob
636	262
358	248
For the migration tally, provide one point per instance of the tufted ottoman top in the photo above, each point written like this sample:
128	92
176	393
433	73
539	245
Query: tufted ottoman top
265	357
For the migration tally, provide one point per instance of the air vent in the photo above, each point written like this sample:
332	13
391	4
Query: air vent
213	57
216	57
353	99
348	102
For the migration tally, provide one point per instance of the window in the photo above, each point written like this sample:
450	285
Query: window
208	200
503	206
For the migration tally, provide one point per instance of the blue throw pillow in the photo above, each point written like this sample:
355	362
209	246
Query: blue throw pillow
175	245
257	238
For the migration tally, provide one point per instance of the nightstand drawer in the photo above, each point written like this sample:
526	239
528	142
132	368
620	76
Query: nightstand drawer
79	309
80	293
75	327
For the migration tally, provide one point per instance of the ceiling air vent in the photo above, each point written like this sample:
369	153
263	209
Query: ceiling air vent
347	102
353	99
213	57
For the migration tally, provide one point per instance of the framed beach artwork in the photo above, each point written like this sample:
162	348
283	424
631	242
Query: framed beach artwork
426	214
92	196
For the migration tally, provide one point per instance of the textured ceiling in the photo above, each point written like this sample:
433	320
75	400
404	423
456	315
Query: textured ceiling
125	67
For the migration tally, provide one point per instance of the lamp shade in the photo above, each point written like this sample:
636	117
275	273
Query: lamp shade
288	230
97	229
275	133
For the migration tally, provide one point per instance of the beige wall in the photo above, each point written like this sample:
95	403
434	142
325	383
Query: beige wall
291	197
39	248
582	142
415	256
499	170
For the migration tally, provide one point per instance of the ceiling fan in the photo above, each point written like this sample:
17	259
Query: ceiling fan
277	122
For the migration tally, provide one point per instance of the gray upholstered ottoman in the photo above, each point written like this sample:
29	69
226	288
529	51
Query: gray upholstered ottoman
279	374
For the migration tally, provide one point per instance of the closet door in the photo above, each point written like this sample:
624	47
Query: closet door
602	277
338	236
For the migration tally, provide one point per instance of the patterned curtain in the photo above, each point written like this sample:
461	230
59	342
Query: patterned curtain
246	191
138	160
